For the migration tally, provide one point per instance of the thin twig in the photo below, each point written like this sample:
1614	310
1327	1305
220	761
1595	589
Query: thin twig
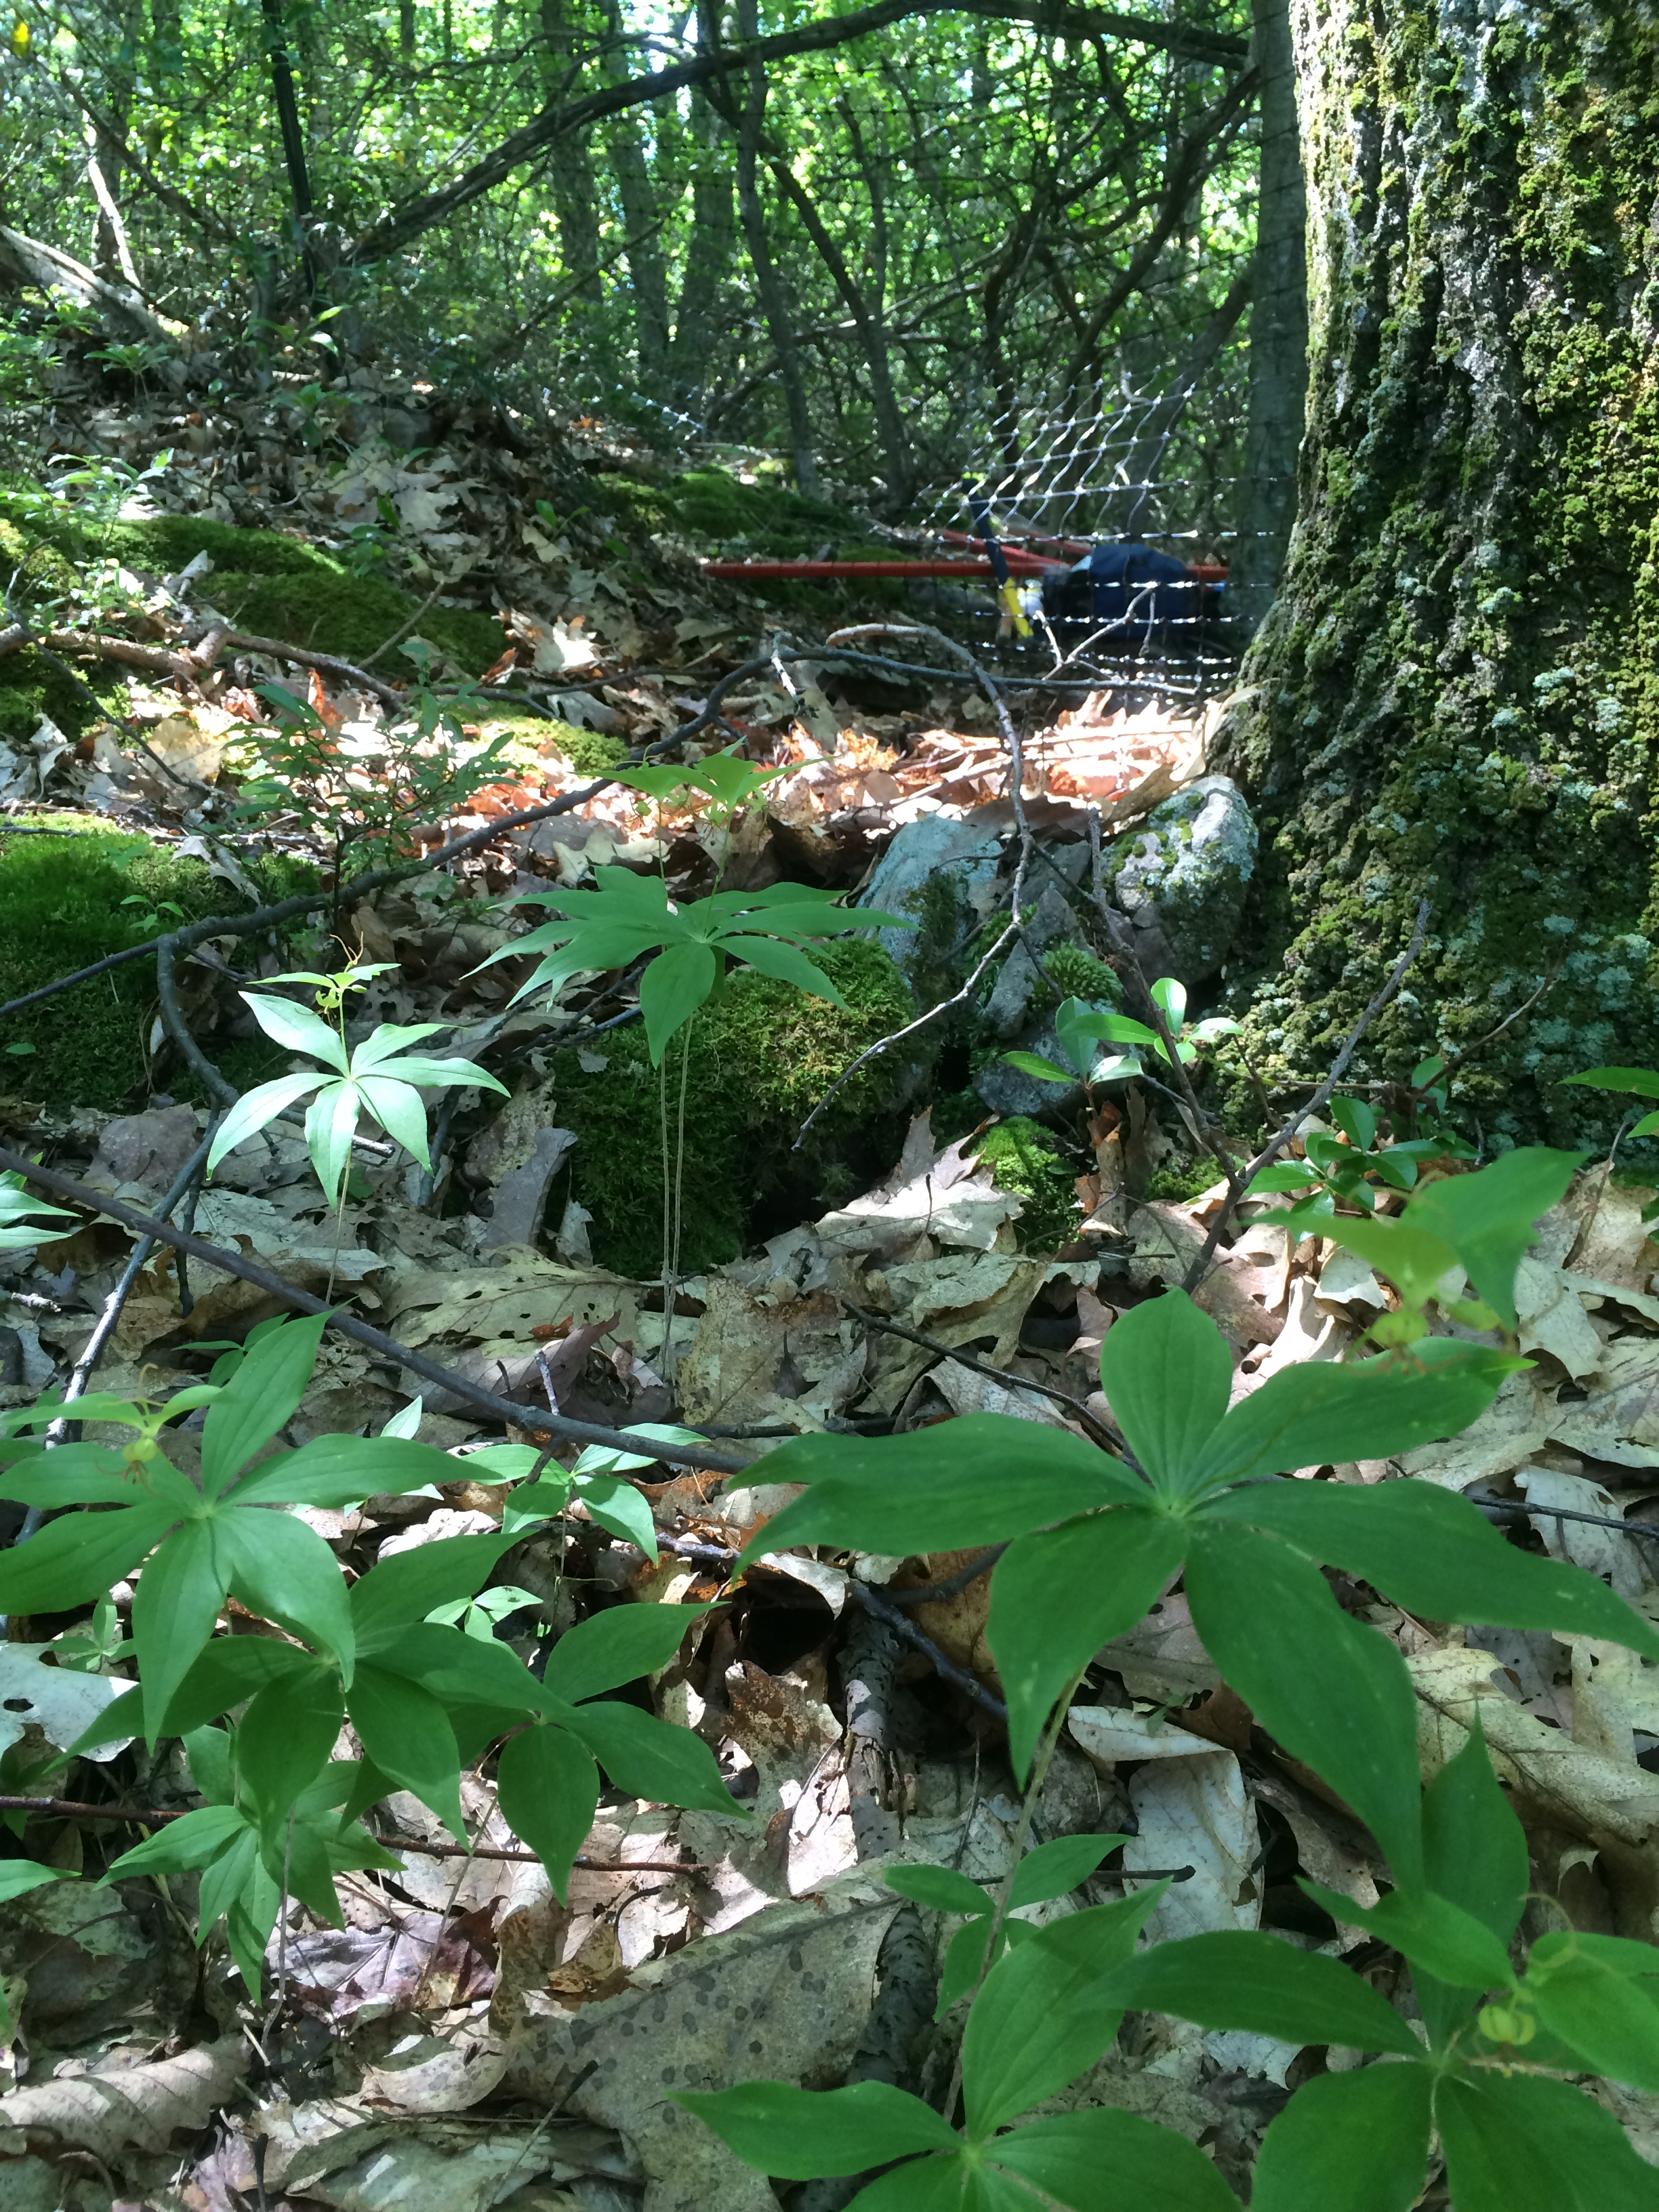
1517	1511
1101	1435
233	1263
1270	1152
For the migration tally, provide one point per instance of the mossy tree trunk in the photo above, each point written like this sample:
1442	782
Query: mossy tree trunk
1456	694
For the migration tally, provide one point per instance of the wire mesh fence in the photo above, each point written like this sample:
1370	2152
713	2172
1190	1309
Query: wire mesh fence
1119	510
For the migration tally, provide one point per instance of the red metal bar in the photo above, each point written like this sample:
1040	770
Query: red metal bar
824	571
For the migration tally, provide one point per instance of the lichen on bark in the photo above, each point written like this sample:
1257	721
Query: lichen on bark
1456	695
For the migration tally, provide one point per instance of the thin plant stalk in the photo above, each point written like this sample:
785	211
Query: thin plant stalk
1040	1766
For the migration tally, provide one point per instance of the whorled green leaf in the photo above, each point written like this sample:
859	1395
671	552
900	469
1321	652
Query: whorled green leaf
19	1875
800	2134
279	1567
1609	2018
979	1479
1042	2017
79	1557
283	1741
1104	2160
549	1790
610	1648
399	1591
260	1397
1489	1217
1360	2140
1058	1595
183	1844
1433	1553
941	1889
1258	1982
1332	1690
647	1757
1430	1930
405	1731
1319	1411
175	1607
1474	1853
1167	1372
1517	2142
1057	1867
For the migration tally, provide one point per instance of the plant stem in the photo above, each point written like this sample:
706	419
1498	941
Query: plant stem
1040	1766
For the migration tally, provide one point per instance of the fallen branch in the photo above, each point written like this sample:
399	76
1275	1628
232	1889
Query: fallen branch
232	1263
150	1816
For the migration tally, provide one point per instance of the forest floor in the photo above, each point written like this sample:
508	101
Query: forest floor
254	727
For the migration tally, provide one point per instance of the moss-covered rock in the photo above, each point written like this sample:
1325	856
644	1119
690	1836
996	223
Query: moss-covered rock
67	901
1026	1158
761	1055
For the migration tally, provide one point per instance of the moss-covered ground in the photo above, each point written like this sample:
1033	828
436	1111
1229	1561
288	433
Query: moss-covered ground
1026	1158
761	1056
70	896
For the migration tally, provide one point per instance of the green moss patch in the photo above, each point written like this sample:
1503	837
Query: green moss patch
1025	1158
67	901
762	1055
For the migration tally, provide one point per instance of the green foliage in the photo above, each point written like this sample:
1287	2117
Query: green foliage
1078	974
384	1654
626	915
60	909
760	1054
1025	1158
590	752
379	1078
1354	1168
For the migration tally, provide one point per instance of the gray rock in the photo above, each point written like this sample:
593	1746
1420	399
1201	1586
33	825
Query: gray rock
934	847
1009	1090
1051	922
1181	880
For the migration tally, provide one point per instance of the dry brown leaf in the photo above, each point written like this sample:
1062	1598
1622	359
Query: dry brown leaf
786	1995
142	2104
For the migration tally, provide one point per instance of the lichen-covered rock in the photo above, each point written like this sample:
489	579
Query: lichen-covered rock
1181	880
944	873
1010	1090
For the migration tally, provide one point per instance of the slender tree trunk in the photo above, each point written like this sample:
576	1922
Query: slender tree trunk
699	321
293	135
1279	329
569	163
1454	695
638	191
769	284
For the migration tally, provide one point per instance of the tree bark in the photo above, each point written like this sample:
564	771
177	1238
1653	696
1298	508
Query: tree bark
700	318
1454	695
769	284
1279	329
570	161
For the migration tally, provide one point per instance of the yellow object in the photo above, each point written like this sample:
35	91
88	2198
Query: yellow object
1010	607
20	38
